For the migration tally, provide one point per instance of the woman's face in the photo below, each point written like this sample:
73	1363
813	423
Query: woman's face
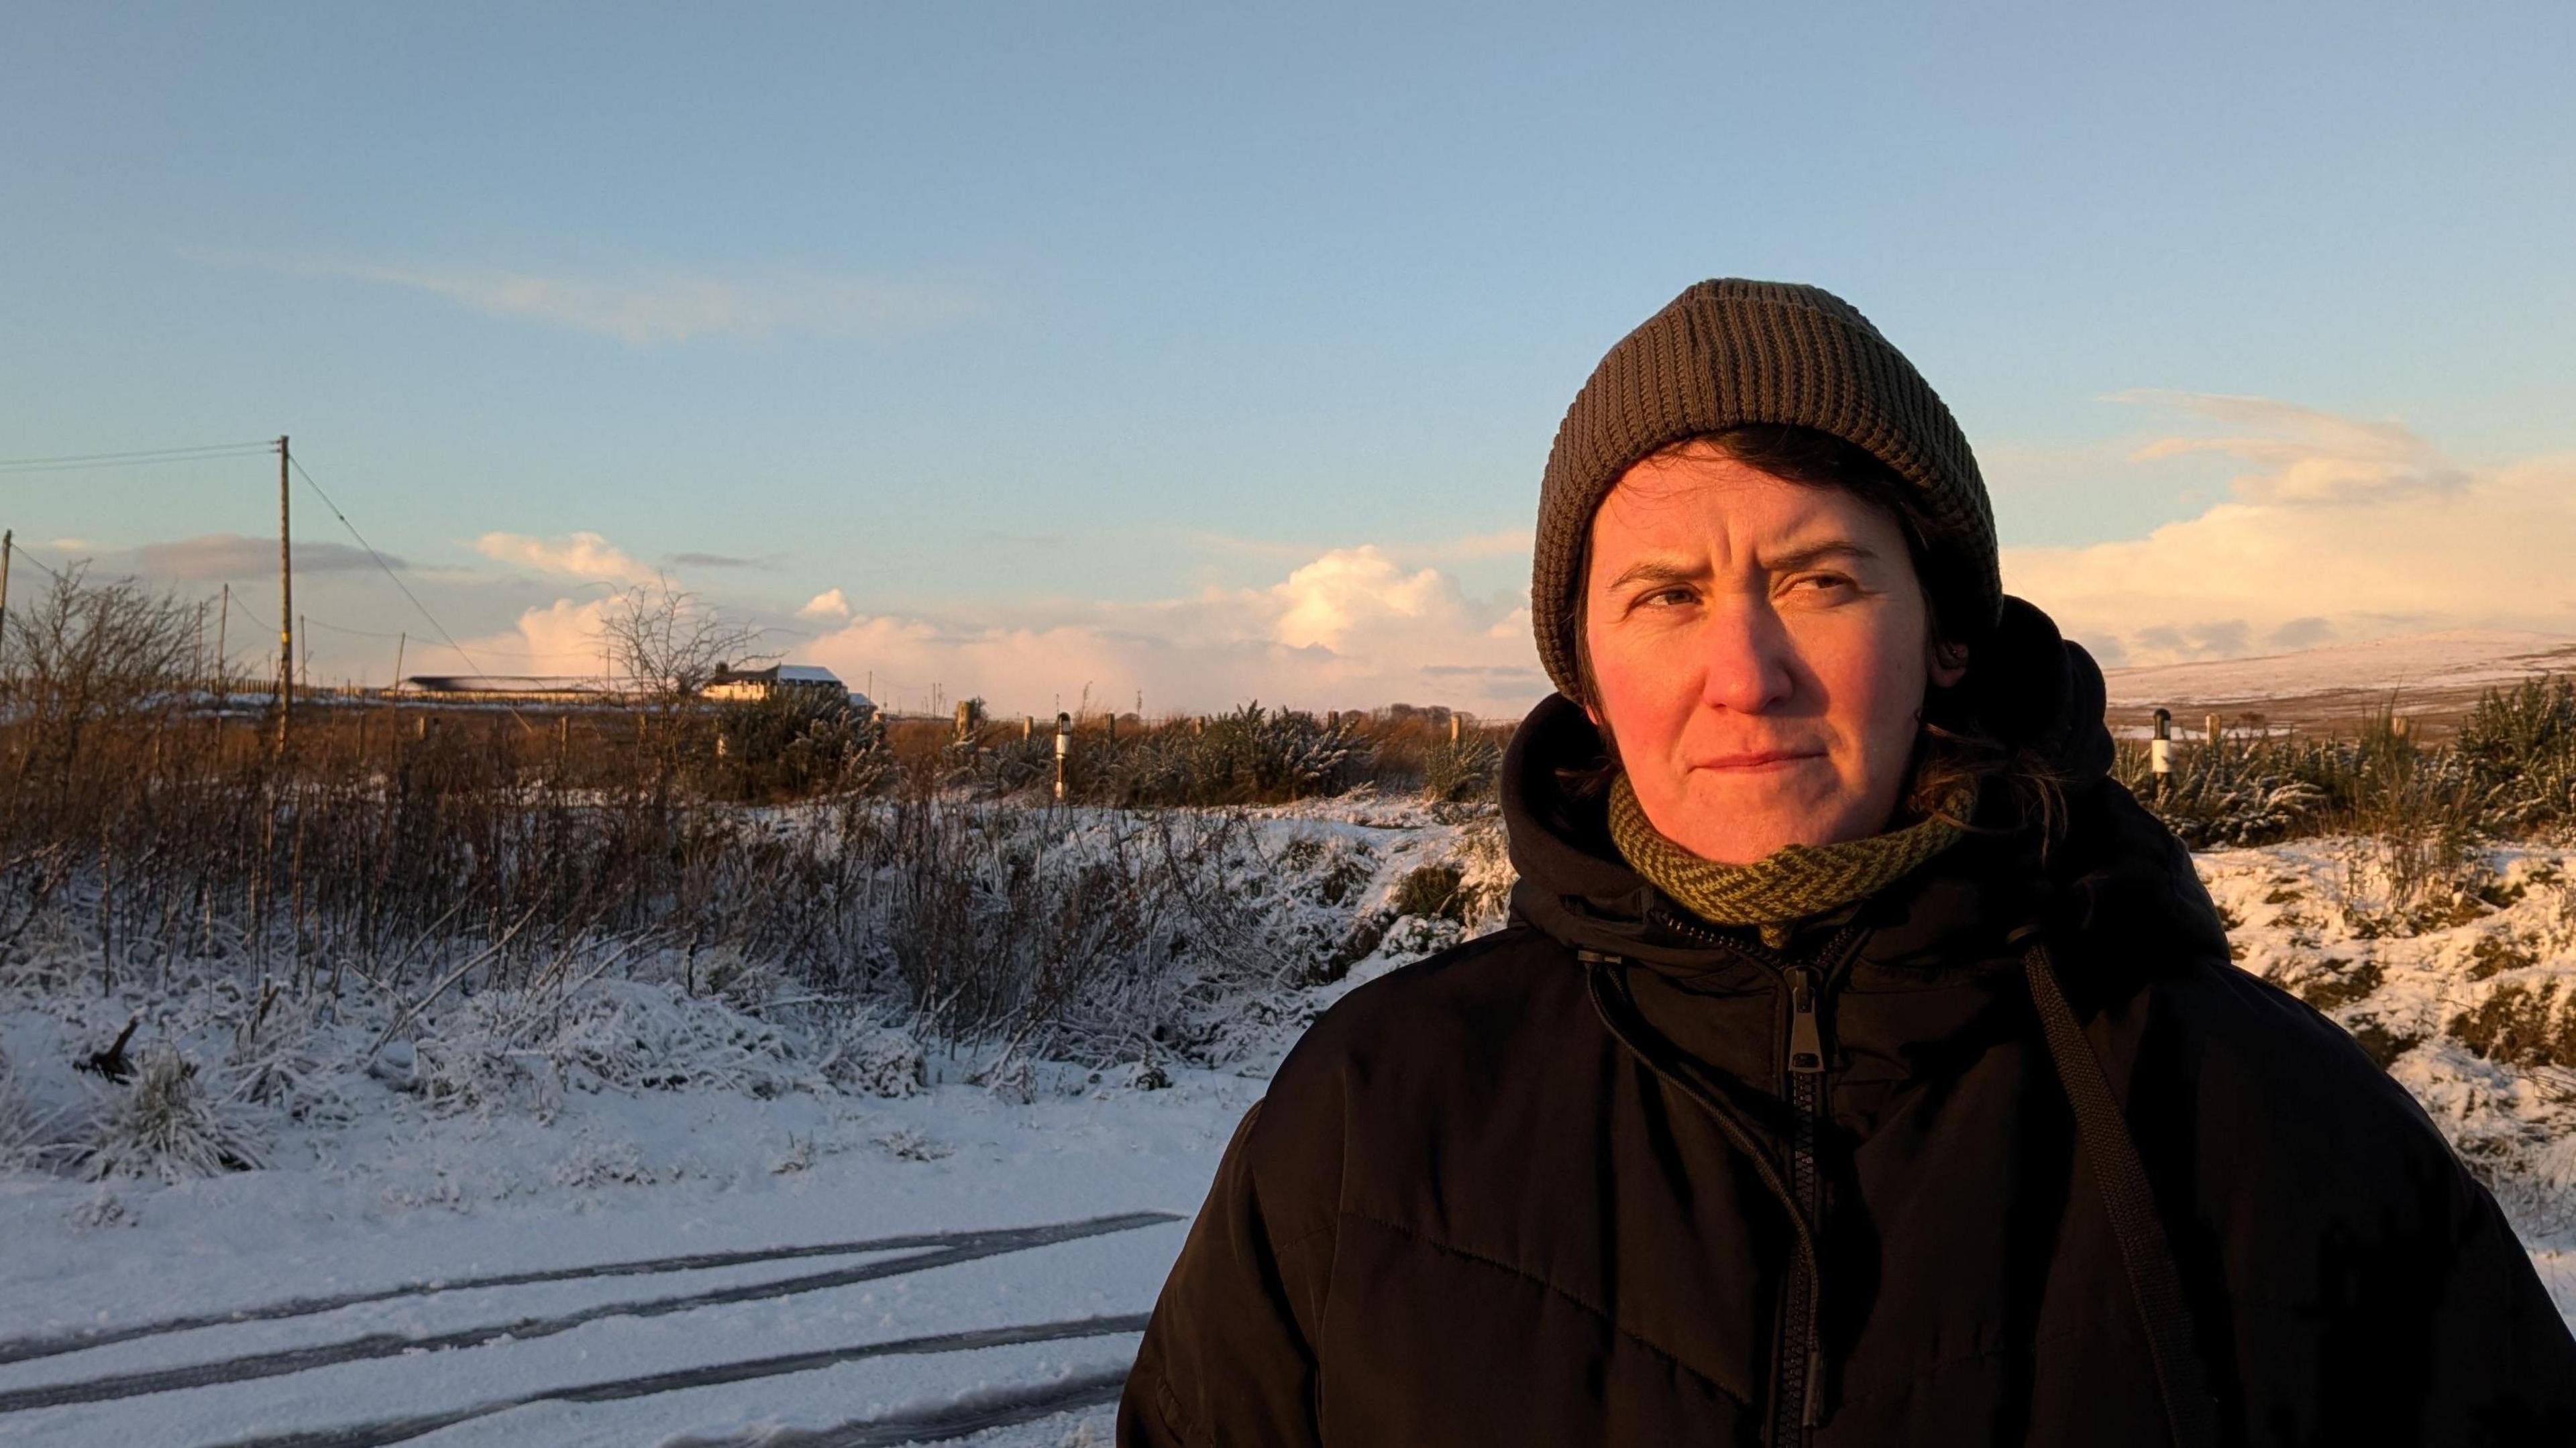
1759	652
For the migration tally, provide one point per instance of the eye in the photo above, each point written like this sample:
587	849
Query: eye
1827	582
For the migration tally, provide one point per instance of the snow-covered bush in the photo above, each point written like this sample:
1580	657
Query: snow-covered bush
2520	748
26	1128
524	1049
165	1124
2522	1024
1463	770
863	1055
1072	935
2234	794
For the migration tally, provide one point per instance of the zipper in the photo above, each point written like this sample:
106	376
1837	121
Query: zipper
1802	1353
1800	1368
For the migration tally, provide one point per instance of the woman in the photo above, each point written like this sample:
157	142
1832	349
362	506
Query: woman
1861	1064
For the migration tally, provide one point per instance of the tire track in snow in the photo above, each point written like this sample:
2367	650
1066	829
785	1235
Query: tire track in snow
999	1409
964	1247
987	1412
29	1348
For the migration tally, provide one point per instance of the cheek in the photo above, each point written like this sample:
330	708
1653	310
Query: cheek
1874	682
1643	697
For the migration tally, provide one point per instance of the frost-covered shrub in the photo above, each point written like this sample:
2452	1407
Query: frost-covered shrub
1250	756
1485	876
1428	890
1074	936
164	1124
590	1164
1462	771
2231	795
526	1048
26	1129
905	1144
283	1066
2521	1025
2519	745
797	743
876	1059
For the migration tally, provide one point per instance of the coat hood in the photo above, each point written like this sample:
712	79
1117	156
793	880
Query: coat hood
2032	687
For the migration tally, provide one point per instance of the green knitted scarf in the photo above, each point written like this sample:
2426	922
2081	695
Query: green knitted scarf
1792	883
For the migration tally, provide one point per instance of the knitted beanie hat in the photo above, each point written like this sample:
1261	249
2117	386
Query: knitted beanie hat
1729	352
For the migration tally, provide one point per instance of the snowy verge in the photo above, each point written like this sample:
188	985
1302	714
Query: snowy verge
262	1151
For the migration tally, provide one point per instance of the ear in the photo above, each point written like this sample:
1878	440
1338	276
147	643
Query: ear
1948	664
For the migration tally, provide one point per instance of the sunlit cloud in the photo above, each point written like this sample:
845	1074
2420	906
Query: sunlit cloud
1351	628
576	555
2339	530
559	639
2303	455
827	604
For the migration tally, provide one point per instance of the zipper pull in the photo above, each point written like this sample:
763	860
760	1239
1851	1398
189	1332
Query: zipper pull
1814	1416
1806	1043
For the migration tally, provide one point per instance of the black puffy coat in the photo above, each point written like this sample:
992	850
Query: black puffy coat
1568	1183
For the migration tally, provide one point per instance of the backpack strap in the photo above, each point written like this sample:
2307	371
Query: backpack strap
2154	1281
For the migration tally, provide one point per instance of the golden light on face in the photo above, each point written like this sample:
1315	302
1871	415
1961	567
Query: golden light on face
1759	651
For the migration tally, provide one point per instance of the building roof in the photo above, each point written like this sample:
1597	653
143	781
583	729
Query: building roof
778	674
511	684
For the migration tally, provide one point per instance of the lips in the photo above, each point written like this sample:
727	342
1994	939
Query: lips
1761	760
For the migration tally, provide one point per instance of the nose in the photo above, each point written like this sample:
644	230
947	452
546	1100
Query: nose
1745	655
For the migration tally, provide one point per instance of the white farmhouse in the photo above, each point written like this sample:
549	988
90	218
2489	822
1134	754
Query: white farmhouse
809	680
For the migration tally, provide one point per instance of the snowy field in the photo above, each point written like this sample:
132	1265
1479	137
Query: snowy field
811	1231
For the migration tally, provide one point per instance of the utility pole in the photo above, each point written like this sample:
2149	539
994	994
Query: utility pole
285	608
8	539
223	658
401	642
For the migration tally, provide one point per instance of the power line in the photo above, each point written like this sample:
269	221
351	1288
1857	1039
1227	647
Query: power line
254	620
364	633
71	462
298	465
21	552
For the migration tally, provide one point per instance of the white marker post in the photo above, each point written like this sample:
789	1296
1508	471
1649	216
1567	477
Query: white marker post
1063	751
2160	749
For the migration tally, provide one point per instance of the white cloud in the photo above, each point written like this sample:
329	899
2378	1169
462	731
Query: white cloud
2342	530
1350	588
827	604
646	306
1353	628
2307	456
561	638
577	555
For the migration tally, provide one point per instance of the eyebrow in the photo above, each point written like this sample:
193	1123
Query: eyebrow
1657	570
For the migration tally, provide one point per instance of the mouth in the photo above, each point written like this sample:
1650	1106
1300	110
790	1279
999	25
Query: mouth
1761	761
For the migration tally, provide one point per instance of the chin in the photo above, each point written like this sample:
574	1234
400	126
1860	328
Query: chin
1752	830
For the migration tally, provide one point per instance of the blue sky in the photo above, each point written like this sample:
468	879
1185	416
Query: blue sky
1207	354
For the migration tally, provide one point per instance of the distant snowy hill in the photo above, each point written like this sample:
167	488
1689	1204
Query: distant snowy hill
2436	676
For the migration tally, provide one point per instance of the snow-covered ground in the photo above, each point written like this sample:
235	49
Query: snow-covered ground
815	1233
